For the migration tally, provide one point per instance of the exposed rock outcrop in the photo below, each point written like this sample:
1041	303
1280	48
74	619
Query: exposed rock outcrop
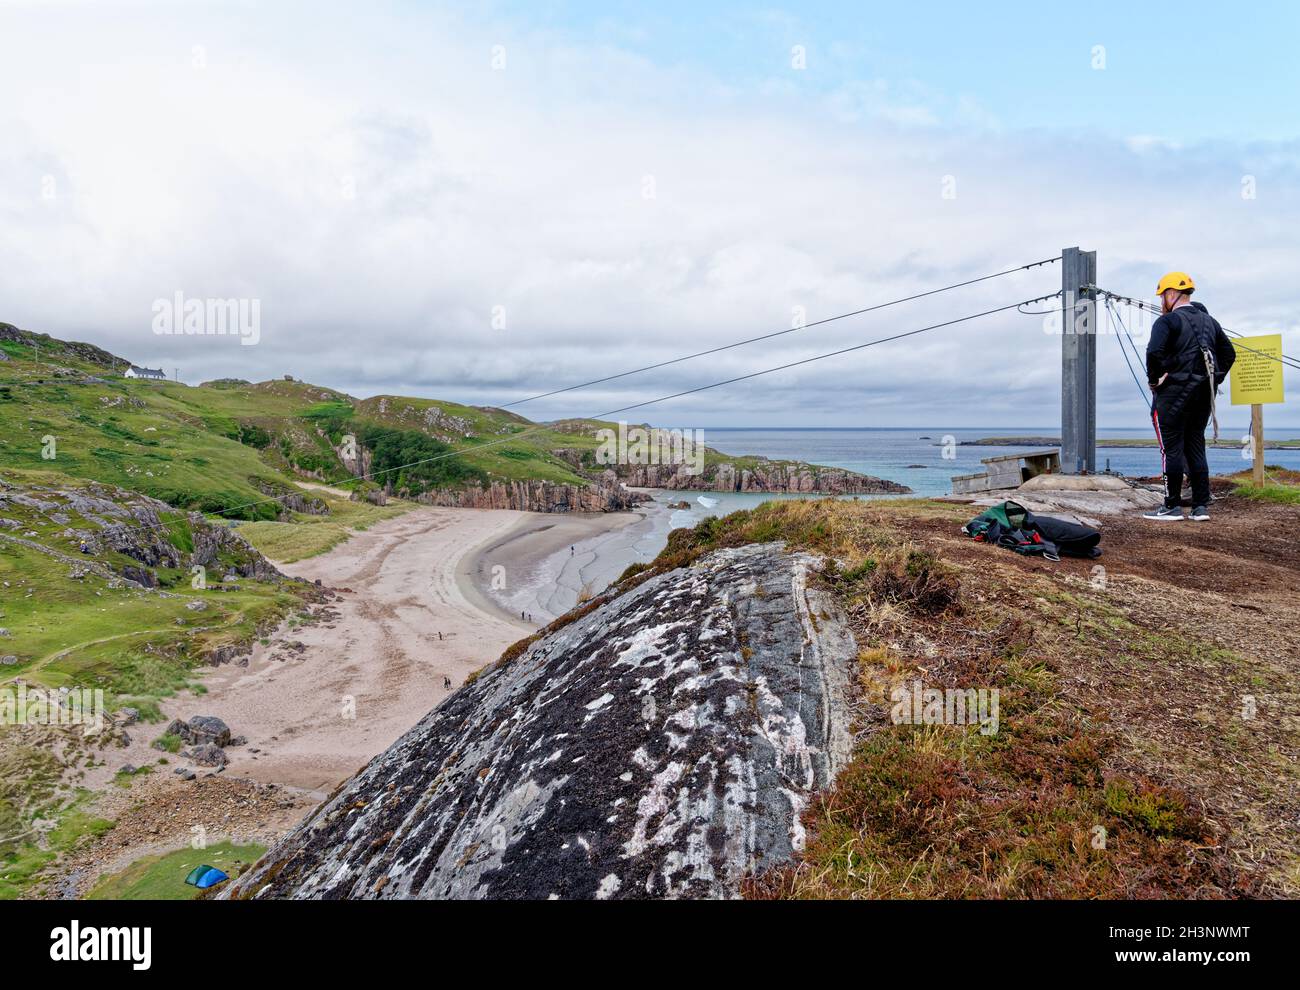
201	729
766	476
536	496
356	459
661	745
99	521
292	501
52	345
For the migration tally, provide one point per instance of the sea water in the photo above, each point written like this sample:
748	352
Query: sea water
924	459
919	457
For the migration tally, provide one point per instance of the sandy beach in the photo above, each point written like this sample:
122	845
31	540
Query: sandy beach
314	714
416	604
545	563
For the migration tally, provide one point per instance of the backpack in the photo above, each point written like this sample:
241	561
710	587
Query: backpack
1012	526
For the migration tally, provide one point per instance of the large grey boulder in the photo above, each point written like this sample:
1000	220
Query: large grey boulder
209	729
663	745
207	755
201	729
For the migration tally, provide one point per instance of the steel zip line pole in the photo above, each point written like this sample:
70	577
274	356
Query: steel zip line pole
1078	361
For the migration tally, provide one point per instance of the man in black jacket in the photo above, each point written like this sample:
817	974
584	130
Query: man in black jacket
1188	358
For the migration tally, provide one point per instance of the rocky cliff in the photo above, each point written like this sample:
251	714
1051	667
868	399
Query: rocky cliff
660	745
765	476
536	496
112	530
51	346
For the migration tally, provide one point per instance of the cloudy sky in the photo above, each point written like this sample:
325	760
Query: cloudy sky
482	202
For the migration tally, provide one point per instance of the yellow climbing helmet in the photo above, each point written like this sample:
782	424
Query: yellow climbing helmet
1176	280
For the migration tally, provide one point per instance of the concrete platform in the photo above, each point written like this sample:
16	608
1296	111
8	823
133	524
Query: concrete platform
1081	498
1075	483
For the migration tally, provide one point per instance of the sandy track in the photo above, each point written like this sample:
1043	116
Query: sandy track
403	624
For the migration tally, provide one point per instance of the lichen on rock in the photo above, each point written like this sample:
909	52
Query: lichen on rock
661	745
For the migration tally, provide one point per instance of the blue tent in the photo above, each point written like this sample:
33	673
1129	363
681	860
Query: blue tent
205	876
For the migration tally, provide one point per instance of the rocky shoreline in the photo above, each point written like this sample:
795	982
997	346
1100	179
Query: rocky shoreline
535	496
611	492
773	477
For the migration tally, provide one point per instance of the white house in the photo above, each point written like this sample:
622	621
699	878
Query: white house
154	373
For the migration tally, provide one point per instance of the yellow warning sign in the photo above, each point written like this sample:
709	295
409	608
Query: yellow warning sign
1257	373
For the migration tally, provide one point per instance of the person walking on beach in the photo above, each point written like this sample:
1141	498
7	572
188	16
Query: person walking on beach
1188	357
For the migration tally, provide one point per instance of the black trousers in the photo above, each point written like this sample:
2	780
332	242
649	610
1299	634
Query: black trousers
1180	417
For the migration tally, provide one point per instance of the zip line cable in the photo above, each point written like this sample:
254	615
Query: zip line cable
821	357
779	333
1132	346
1286	359
752	340
767	336
1112	317
1148	398
664	398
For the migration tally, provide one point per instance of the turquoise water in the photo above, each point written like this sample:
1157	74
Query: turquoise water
724	503
906	456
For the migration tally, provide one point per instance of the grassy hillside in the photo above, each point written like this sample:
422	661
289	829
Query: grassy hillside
235	449
221	446
104	588
70	618
178	444
302	535
1121	764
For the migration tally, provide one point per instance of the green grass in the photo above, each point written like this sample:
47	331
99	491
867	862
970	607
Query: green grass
1281	485
219	448
162	877
1281	494
149	438
130	642
306	536
169	742
23	862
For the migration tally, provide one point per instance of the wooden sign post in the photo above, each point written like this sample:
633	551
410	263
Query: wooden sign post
1257	440
1256	379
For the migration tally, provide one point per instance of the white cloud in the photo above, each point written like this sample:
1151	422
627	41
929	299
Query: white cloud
381	188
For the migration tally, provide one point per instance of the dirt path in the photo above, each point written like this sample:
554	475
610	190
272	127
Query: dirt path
60	654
